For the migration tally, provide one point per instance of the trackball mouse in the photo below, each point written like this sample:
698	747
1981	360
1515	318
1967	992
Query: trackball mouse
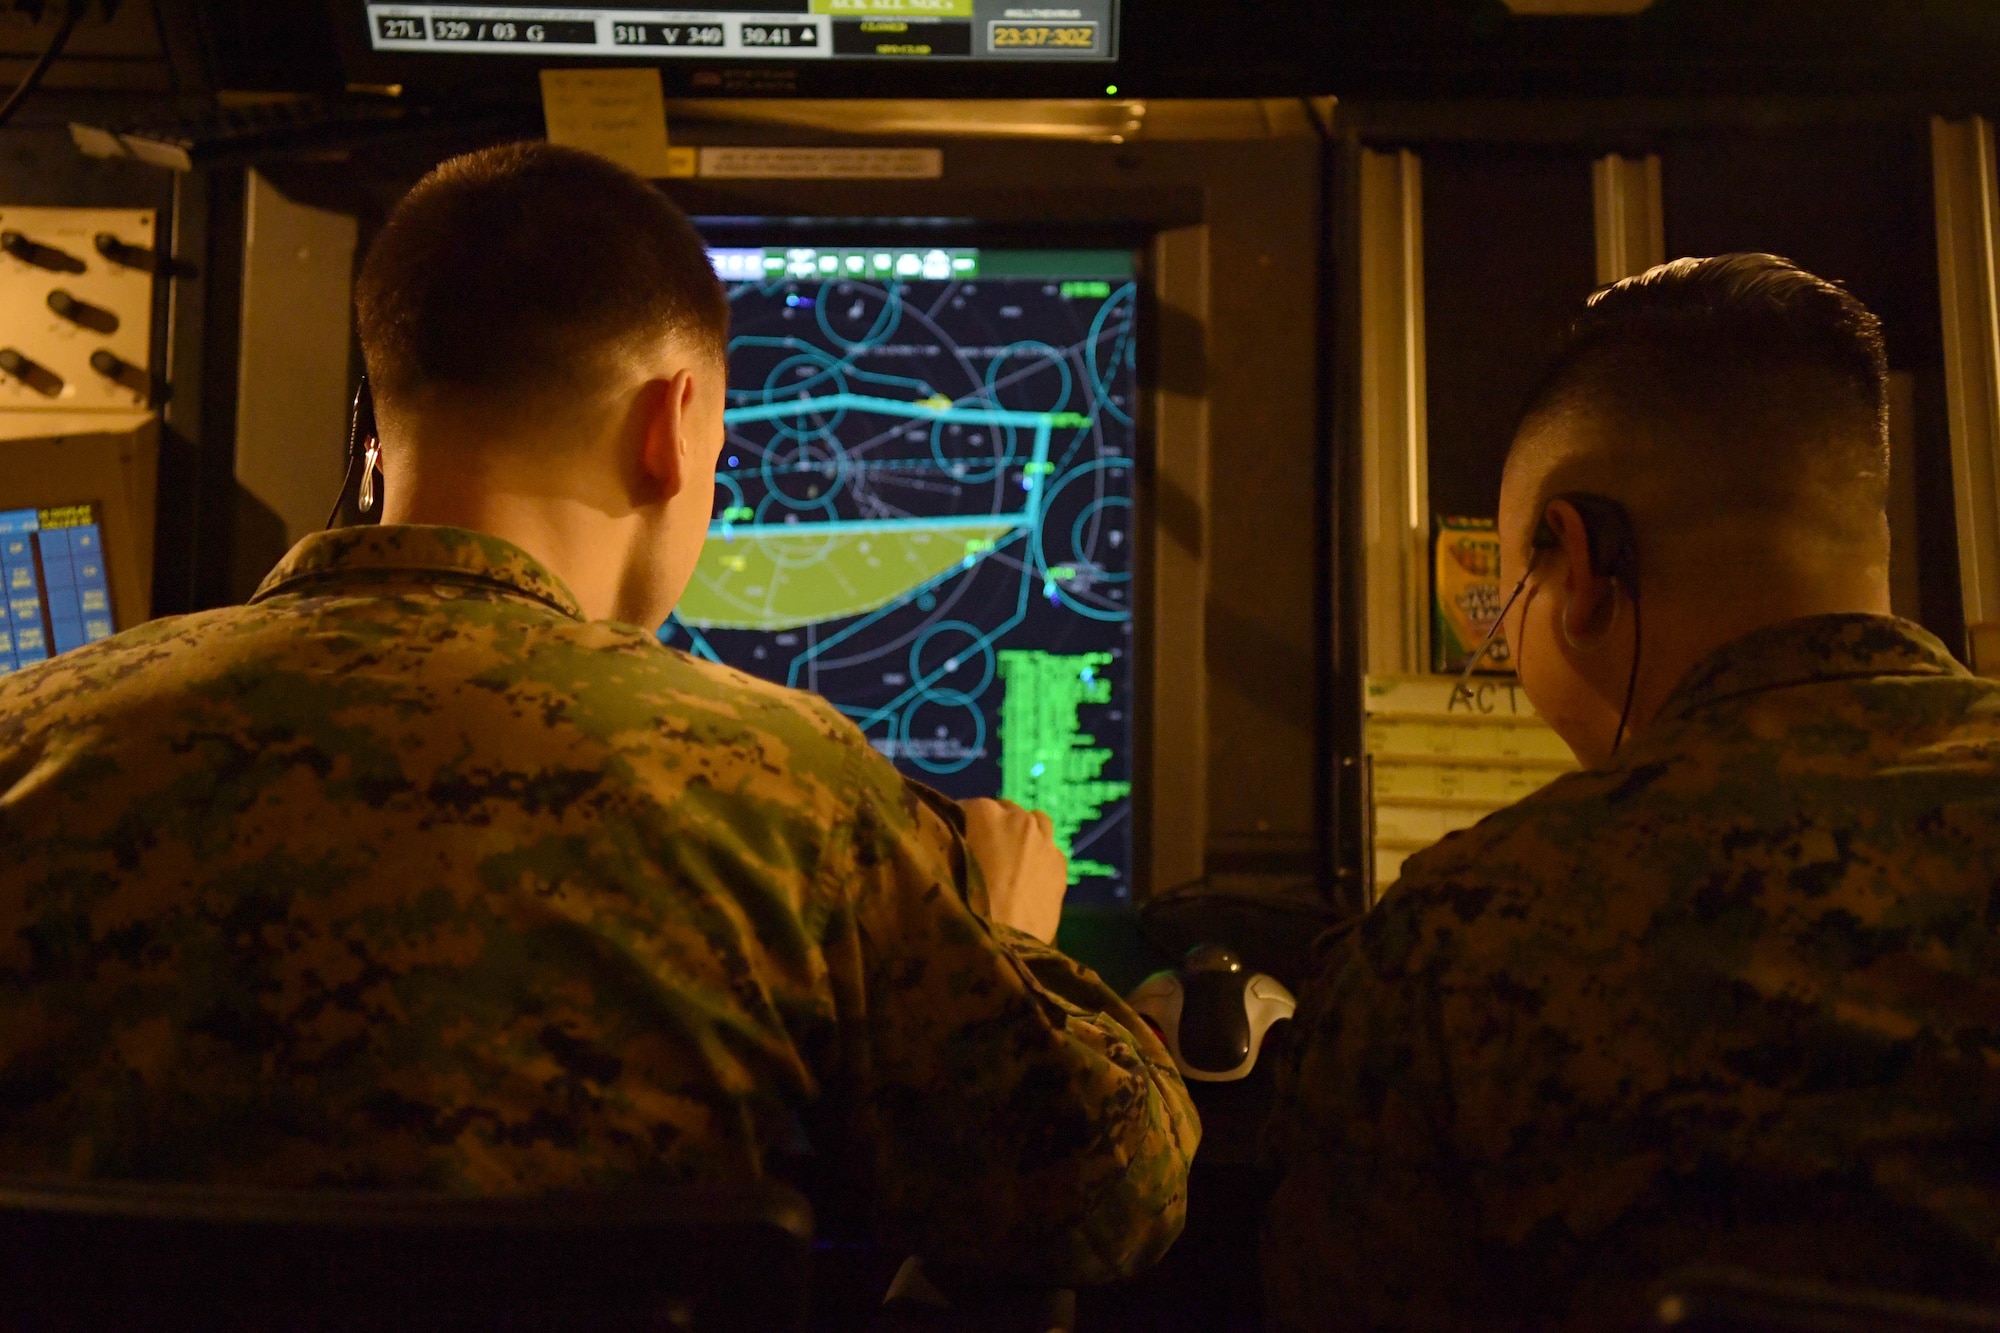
1212	1013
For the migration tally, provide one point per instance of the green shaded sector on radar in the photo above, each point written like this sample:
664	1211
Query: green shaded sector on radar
1047	763
777	577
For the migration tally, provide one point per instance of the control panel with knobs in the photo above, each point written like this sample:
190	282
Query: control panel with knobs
31	373
83	314
76	303
38	254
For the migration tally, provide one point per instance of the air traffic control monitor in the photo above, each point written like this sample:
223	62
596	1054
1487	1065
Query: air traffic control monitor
788	30
925	514
58	598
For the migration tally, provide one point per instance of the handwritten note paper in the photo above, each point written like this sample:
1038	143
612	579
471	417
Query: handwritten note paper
617	113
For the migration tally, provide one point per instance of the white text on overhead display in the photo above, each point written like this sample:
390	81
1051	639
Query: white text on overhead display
757	30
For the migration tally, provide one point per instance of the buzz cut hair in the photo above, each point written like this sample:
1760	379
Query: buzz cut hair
1740	386
520	274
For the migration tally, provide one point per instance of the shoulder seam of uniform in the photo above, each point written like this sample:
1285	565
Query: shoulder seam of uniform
1690	707
464	578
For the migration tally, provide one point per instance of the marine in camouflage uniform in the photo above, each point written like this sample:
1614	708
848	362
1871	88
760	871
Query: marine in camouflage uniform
406	875
1734	999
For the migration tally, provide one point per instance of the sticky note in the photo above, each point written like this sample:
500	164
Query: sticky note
616	113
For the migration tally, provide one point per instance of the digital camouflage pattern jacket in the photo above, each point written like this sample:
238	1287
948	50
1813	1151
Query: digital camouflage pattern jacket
1734	999
408	875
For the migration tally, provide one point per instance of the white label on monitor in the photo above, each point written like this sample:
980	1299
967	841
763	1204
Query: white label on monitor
823	163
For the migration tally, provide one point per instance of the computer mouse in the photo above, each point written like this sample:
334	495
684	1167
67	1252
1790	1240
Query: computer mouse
1212	1013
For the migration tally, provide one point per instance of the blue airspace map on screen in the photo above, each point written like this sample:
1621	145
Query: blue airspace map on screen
924	514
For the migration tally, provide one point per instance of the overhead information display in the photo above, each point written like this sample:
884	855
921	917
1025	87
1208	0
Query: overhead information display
924	514
1081	30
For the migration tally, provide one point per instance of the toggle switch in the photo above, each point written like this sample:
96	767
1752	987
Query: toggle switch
36	376
82	314
127	256
41	256
120	372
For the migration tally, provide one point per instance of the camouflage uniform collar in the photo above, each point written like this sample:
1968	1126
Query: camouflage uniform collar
427	553
1817	648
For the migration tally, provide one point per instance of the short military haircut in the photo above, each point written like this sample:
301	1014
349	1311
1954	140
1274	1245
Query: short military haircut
522	273
1735	388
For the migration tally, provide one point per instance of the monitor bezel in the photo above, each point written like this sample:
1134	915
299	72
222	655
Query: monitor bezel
749	232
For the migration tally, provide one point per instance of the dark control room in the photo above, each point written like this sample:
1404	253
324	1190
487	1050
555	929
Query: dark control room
999	666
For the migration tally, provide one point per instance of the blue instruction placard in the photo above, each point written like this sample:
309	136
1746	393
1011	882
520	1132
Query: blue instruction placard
57	597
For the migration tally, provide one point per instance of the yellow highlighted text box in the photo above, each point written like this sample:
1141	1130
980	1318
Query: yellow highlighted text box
910	9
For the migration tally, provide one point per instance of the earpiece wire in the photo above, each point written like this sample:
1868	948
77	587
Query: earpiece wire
353	452
1631	681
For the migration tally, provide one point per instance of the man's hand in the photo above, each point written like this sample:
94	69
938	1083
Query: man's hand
1026	873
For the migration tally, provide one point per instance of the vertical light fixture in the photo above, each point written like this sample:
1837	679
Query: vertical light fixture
1394	416
1631	217
1968	212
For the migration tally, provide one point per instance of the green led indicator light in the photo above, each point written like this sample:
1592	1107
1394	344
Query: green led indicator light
1111	90
1047	763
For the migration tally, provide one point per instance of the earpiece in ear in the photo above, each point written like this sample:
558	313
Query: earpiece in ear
1607	530
1614	554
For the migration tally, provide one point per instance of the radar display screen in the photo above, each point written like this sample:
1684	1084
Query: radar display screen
52	562
924	513
1079	30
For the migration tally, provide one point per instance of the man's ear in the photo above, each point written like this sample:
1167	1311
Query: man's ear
666	407
1592	598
